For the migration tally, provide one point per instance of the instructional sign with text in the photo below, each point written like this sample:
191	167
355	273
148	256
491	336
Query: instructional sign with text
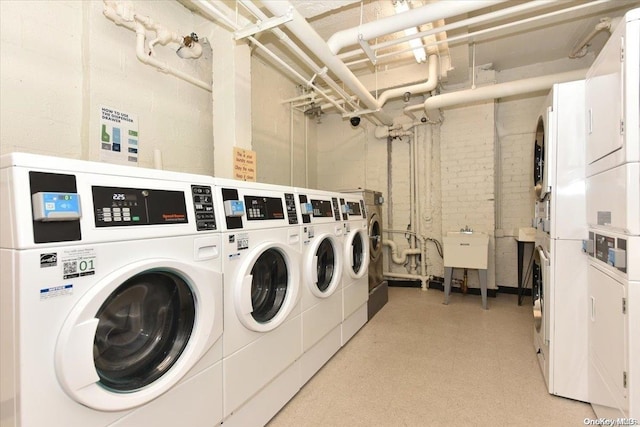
118	137
244	164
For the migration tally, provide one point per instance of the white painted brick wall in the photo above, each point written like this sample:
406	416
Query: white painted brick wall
467	159
62	60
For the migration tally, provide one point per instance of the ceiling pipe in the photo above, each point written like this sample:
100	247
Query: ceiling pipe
499	90
211	12
312	40
427	86
401	21
459	24
580	50
295	49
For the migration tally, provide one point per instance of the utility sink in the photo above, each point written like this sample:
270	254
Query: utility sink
466	250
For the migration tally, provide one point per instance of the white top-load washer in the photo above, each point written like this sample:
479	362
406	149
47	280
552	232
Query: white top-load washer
263	327
322	263
111	292
560	269
355	282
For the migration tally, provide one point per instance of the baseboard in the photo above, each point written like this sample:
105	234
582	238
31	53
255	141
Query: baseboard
403	283
514	291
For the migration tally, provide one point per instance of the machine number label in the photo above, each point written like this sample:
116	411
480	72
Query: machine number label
78	263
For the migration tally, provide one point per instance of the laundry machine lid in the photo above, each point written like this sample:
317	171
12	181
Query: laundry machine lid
136	333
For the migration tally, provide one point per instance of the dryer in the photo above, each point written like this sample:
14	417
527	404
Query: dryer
560	270
262	343
322	264
355	283
614	324
111	292
613	131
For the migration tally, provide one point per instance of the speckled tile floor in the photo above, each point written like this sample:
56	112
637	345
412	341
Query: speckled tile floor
421	363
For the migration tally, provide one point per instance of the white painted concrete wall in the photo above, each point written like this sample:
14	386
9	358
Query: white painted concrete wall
62	60
285	150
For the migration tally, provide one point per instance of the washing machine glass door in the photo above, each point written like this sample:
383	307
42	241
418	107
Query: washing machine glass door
143	328
541	277
136	332
357	253
269	285
325	265
375	237
538	159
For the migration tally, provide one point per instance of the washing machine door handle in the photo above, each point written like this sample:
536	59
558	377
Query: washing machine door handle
244	297
76	364
314	269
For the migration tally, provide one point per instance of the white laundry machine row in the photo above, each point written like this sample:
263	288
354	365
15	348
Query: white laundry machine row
613	131
560	269
262	343
355	282
614	324
111	296
322	252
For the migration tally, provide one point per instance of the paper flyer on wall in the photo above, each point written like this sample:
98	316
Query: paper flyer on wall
118	137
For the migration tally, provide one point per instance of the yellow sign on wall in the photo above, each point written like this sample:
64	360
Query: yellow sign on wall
244	164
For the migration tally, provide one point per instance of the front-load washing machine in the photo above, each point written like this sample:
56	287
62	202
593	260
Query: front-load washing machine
322	263
111	293
355	282
559	293
262	343
614	324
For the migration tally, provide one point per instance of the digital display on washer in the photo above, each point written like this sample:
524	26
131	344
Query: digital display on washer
353	209
263	208
120	206
322	208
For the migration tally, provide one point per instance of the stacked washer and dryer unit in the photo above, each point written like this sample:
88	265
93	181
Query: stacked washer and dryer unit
111	291
560	270
613	216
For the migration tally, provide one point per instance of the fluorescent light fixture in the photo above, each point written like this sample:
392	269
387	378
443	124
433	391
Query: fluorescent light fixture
415	43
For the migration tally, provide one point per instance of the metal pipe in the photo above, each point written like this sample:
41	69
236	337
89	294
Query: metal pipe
427	86
492	29
459	24
312	40
296	50
404	20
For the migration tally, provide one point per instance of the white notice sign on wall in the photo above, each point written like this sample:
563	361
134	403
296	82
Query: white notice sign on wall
118	137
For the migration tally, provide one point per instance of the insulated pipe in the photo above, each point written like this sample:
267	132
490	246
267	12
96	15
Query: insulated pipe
427	86
312	40
459	24
401	21
499	90
581	49
162	66
295	49
423	279
211	12
141	54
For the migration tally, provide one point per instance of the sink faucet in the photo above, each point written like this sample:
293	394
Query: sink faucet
466	229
